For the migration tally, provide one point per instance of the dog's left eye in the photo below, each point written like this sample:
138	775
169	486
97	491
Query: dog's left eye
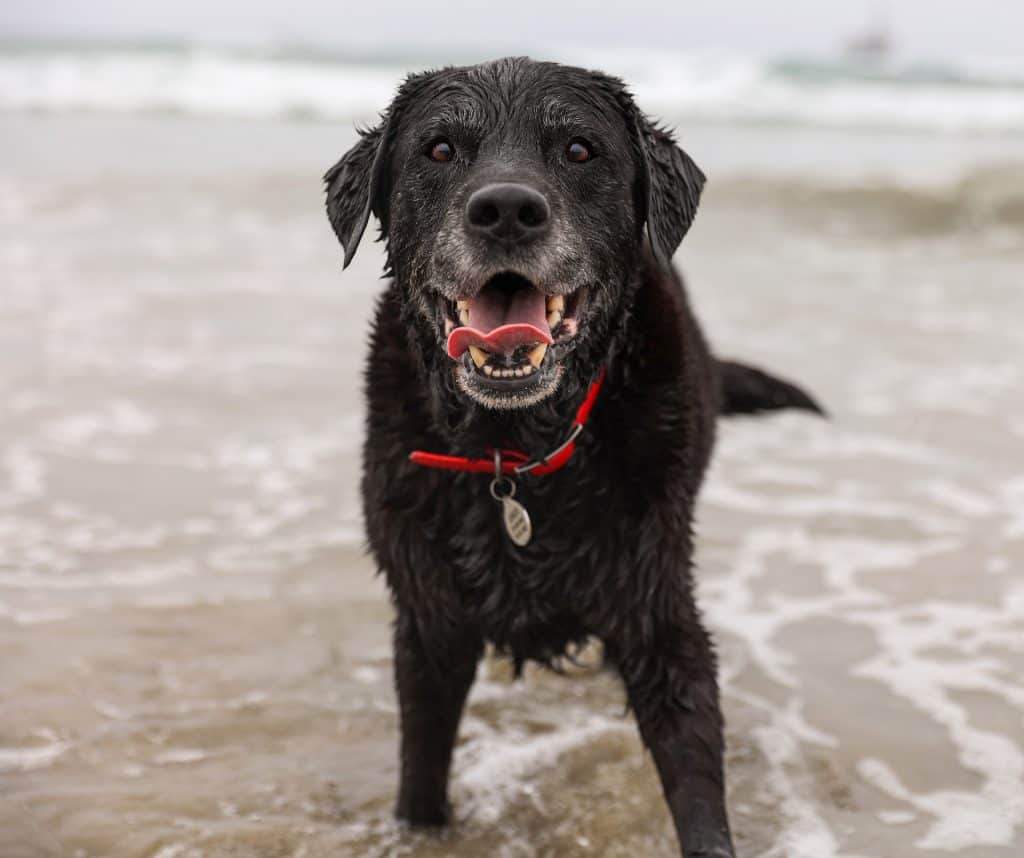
577	151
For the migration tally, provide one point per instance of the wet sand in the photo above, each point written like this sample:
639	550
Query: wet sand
196	650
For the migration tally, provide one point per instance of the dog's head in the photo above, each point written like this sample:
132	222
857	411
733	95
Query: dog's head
513	197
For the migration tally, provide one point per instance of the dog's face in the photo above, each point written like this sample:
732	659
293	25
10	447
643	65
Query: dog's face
513	197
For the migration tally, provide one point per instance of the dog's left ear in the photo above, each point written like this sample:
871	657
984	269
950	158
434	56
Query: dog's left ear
672	186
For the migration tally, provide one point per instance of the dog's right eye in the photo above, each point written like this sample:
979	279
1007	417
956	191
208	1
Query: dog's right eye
442	151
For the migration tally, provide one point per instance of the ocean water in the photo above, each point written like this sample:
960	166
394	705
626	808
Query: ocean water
970	94
196	649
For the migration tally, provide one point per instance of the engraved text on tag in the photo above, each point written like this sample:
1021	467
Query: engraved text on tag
517	521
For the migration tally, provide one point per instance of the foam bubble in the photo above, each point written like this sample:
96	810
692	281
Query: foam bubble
493	768
34	757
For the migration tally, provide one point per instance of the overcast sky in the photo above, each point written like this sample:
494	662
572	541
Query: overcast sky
921	28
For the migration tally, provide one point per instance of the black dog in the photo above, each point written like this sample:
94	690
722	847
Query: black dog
513	197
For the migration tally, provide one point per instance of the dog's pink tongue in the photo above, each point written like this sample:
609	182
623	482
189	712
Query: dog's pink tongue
500	323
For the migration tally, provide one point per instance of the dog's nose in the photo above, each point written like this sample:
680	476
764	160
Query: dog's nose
508	212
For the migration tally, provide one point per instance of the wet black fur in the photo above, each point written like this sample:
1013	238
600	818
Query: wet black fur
613	544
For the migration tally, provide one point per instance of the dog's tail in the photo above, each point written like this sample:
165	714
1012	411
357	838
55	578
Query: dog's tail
748	390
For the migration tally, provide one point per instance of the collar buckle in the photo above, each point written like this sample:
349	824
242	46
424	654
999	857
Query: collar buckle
536	463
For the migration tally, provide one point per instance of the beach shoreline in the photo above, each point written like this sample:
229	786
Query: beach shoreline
198	648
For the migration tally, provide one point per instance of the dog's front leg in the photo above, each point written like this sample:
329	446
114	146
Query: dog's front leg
433	676
669	673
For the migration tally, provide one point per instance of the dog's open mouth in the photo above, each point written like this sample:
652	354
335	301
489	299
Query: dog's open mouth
509	327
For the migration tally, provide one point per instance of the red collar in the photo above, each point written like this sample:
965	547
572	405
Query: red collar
514	462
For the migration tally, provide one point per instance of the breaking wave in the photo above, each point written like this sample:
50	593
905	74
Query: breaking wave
990	196
269	83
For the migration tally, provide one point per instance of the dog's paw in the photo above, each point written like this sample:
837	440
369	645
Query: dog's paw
422	813
708	845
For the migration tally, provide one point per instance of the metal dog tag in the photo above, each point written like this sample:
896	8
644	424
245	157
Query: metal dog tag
513	514
517	521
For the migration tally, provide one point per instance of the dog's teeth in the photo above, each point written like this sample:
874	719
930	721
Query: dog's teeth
479	355
462	304
556	304
518	372
464	315
488	369
554	319
536	354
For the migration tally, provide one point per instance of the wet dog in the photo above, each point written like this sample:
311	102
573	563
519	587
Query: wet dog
541	408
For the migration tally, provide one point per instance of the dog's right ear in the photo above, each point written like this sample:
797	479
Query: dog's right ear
352	184
358	184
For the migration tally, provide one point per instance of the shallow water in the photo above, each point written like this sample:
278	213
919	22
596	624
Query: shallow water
196	651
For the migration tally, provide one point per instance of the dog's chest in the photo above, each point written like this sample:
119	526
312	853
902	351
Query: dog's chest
533	596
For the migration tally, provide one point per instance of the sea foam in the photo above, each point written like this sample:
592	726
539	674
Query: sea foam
967	96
